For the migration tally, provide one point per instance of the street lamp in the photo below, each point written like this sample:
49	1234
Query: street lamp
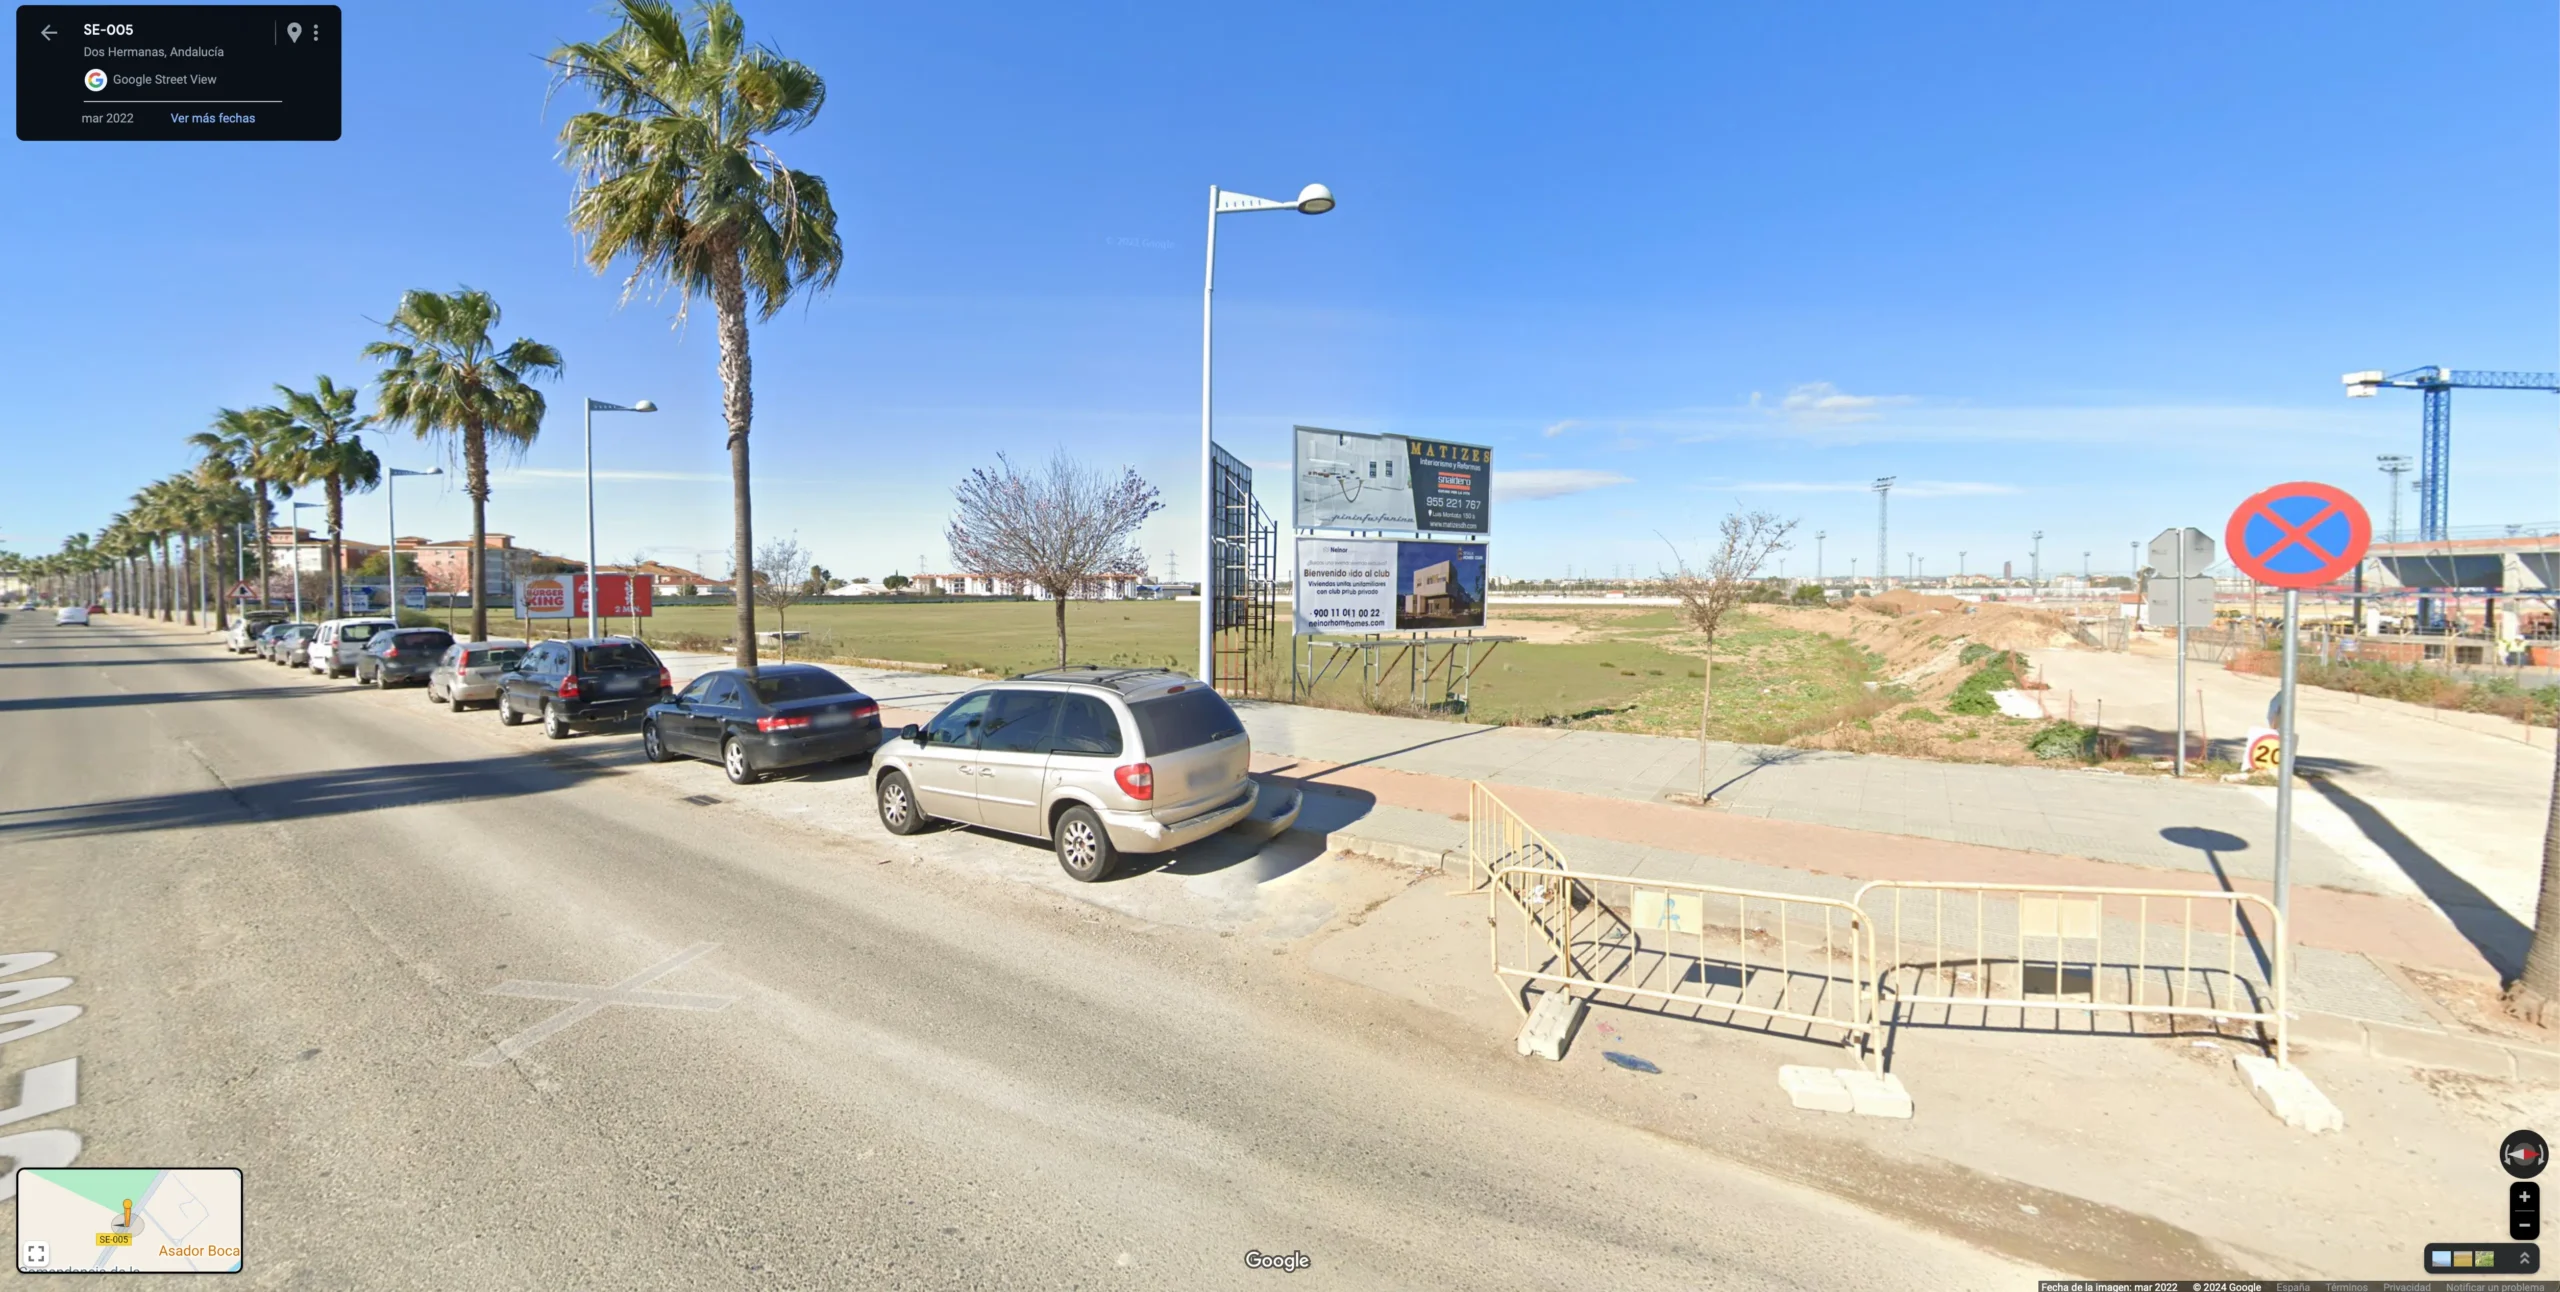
295	516
1314	199
593	407
391	513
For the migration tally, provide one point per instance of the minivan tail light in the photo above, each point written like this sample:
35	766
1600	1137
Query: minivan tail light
781	723
1137	780
569	687
666	680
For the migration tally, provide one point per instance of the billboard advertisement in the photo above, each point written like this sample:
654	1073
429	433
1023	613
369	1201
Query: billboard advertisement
1346	480
564	596
1371	585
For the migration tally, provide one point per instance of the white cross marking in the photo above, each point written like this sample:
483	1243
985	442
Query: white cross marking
590	1000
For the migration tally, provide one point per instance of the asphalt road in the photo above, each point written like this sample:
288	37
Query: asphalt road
283	904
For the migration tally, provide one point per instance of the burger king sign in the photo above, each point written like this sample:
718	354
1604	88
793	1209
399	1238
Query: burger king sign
545	596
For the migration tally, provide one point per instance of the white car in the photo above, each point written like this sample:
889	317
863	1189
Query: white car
246	627
1097	761
334	650
71	615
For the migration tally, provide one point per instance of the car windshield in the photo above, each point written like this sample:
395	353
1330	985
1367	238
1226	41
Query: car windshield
1184	720
499	655
357	632
775	688
617	655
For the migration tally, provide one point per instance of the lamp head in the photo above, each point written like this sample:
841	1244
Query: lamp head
1315	199
644	406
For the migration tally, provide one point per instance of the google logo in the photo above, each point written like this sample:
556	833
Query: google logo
96	80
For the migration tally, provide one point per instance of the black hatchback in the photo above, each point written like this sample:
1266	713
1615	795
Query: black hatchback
784	716
401	656
581	683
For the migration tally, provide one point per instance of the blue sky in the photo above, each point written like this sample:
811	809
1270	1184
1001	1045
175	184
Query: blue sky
2089	270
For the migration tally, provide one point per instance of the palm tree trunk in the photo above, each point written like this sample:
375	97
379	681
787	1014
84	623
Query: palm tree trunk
186	583
222	595
266	558
2535	994
475	471
337	549
738	401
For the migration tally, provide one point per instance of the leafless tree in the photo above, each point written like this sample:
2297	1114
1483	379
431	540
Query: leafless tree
781	580
1745	540
1057	528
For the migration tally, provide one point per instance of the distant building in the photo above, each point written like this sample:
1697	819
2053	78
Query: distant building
1114	587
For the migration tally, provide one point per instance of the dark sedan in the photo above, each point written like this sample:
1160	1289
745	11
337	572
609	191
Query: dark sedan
785	716
401	656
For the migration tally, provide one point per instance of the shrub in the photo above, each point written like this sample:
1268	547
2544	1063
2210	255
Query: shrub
1999	672
1975	654
1921	715
2062	740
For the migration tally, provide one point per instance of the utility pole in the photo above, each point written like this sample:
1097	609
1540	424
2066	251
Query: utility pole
1818	536
2035	560
2085	580
1884	492
1922	570
1959	562
2394	465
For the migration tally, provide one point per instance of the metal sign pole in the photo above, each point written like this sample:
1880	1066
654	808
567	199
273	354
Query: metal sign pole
2179	760
2284	756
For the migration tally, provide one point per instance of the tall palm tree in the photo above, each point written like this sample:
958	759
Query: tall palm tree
676	181
326	448
446	378
252	442
155	510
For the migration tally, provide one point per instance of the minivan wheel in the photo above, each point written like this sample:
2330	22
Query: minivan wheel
507	715
1084	850
555	724
733	760
650	745
898	811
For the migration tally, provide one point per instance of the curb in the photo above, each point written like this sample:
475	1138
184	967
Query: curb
1415	856
2422	1047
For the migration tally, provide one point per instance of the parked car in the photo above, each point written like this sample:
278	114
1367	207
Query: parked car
581	683
333	649
469	671
1098	761
78	615
292	645
245	629
787	715
264	644
399	656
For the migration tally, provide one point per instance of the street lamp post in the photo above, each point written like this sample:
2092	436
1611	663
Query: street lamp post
1314	199
391	513
593	407
295	516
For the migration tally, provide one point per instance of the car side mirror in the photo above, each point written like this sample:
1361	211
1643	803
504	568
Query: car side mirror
911	732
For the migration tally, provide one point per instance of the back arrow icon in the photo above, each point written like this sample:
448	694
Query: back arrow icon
47	33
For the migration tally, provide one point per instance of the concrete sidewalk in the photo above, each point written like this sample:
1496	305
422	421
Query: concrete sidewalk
1816	822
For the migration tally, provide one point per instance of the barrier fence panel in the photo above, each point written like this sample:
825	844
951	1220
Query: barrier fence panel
1498	837
2006	955
1783	963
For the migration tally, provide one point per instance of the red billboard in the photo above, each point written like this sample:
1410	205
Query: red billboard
619	596
564	596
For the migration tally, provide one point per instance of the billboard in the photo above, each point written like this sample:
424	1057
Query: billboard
564	596
1371	585
1346	480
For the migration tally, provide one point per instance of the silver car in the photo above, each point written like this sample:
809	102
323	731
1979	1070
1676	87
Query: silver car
1099	761
332	652
469	671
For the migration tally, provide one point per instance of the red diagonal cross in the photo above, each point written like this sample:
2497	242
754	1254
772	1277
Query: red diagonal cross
2296	534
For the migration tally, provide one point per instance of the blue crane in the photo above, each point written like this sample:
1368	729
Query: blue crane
2435	425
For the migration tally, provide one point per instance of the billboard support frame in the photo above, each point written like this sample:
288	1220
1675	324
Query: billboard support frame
1414	648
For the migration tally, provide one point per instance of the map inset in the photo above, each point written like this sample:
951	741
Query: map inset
85	1220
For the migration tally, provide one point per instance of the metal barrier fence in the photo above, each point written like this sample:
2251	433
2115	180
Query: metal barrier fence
1791	963
1499	837
2041	947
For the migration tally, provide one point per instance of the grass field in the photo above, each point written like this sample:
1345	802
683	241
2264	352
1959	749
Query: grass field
1614	670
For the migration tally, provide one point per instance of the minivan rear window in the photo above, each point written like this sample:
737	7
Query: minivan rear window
494	655
617	655
358	632
1184	720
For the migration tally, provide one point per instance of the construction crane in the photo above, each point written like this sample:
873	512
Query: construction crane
2435	425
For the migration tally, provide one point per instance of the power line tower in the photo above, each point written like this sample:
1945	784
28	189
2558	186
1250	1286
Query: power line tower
1818	536
1884	565
2394	465
2035	560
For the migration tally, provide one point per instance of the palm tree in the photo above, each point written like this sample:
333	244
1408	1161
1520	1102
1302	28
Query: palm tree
676	179
445	378
325	448
155	509
252	444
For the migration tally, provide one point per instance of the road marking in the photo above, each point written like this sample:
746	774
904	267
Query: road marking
591	1000
28	1022
48	1089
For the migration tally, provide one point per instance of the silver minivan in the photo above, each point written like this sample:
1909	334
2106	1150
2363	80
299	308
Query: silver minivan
334	647
1099	761
468	673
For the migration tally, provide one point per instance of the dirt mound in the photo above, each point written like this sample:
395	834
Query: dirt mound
1903	601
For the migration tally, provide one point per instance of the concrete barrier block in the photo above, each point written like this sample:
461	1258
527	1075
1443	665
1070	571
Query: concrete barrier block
1874	1094
1551	1025
2422	1048
1819	1089
2289	1094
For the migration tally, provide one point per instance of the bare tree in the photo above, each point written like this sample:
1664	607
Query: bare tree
1057	529
780	579
1744	542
